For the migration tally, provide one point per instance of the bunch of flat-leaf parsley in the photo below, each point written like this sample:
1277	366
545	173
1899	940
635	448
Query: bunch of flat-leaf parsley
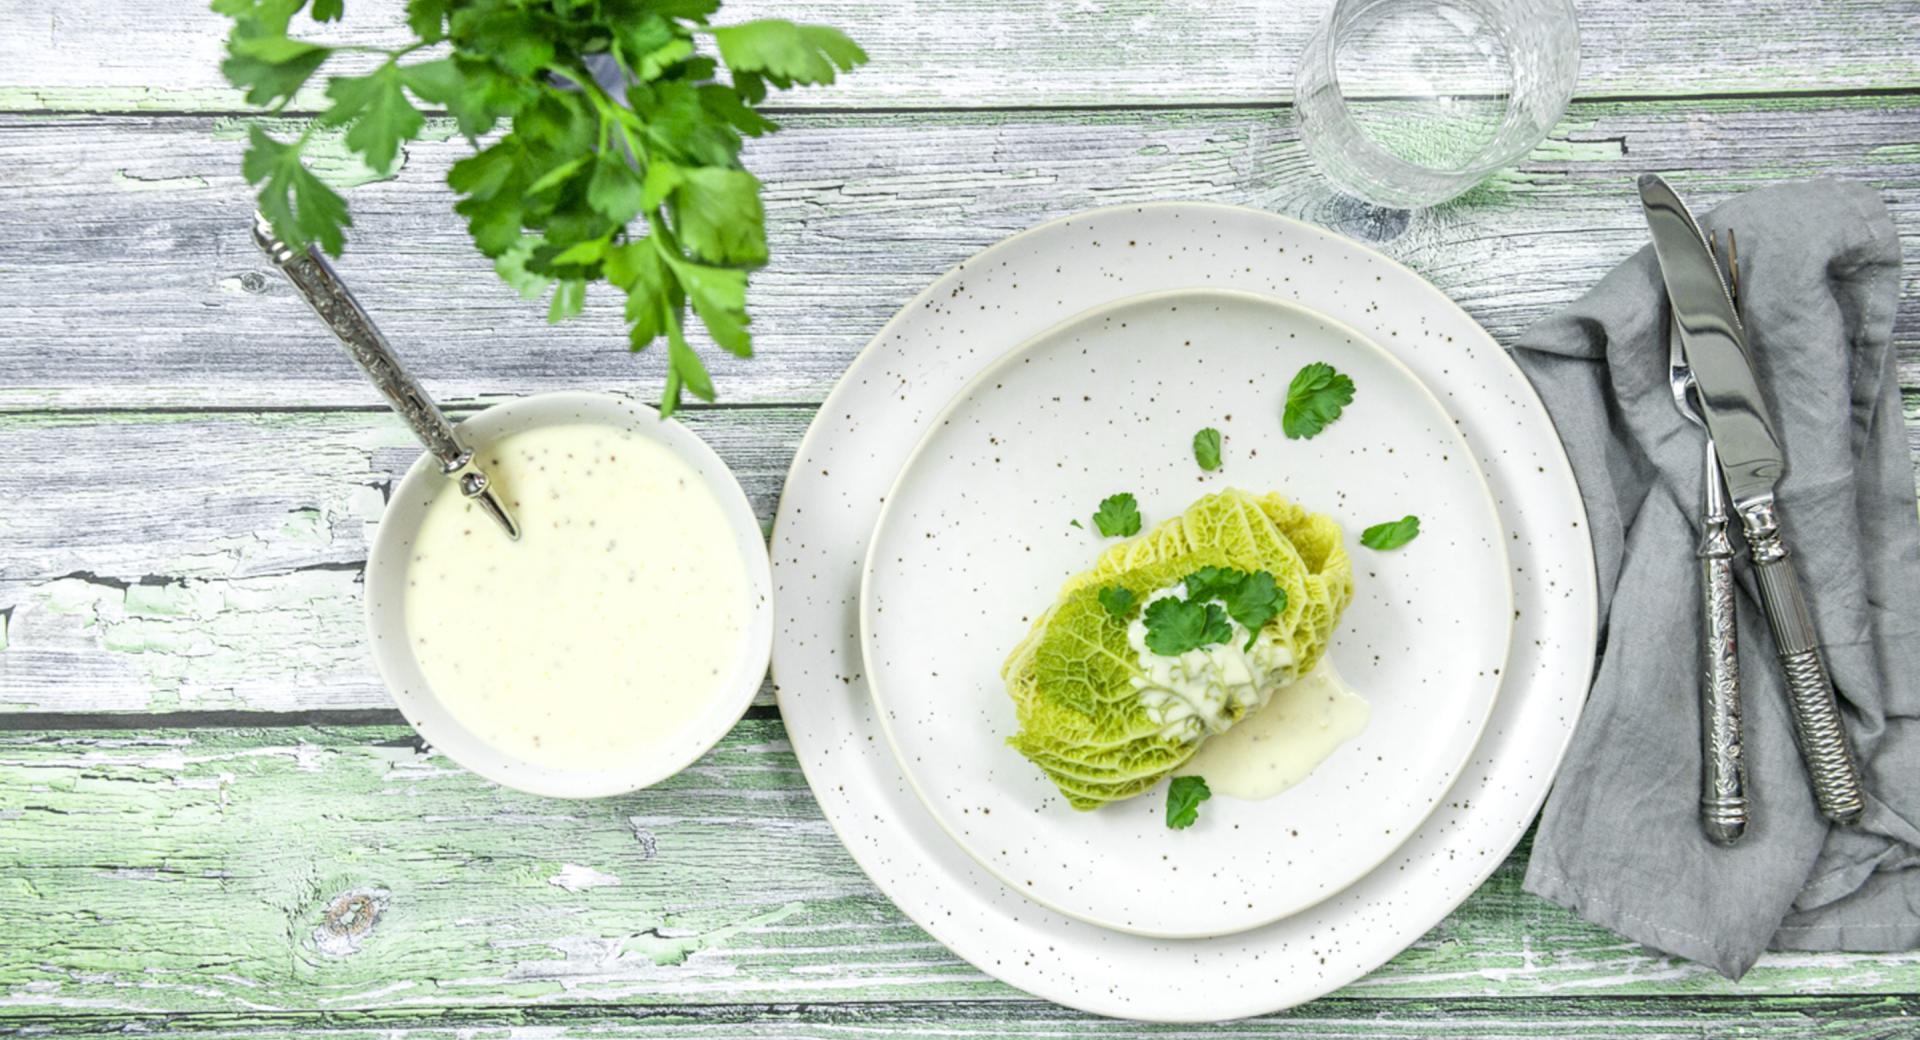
640	186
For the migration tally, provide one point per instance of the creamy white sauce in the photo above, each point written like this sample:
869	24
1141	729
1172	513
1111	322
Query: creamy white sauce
607	628
1209	688
1279	744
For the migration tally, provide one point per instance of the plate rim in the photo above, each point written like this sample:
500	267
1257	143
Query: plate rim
1006	360
1508	837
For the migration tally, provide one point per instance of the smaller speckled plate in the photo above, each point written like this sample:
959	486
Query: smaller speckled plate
975	539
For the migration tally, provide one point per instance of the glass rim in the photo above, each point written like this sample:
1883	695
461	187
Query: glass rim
1488	159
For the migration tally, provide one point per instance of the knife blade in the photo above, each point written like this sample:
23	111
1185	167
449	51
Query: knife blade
1743	430
1715	342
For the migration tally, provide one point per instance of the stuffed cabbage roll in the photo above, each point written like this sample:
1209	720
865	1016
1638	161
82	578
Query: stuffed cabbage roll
1172	637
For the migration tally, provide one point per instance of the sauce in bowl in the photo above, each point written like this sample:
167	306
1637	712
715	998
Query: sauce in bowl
616	641
605	629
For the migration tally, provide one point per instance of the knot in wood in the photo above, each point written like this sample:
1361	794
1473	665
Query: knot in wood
352	914
348	919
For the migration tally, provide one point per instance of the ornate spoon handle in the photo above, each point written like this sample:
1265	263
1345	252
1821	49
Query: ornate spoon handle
320	285
1816	714
1723	764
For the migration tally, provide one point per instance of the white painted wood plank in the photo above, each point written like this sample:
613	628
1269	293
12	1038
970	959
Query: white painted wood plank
168	495
167	562
127	279
164	55
231	580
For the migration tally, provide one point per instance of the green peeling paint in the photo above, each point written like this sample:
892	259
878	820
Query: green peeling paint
135	99
131	182
70	595
667	951
172	599
1573	150
308	527
233	872
308	869
200	641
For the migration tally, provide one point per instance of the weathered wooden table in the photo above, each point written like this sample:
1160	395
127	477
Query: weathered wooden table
211	823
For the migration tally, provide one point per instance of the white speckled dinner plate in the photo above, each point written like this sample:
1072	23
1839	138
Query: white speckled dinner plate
884	404
974	541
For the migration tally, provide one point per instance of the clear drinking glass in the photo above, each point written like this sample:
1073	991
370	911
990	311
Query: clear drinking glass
1411	102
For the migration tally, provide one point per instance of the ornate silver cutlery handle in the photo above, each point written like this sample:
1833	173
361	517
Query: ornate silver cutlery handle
1723	764
1816	714
320	285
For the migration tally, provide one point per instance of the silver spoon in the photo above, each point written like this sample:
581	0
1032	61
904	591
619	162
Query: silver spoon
322	288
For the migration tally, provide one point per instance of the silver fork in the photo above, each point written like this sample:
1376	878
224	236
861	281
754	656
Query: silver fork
1723	767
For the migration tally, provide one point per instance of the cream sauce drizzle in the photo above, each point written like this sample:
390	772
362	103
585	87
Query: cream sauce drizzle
1276	746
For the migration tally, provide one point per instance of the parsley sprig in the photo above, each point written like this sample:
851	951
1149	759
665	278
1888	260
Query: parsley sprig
1251	599
1214	594
1206	449
1391	535
1315	398
1184	796
1175	625
1118	516
639	186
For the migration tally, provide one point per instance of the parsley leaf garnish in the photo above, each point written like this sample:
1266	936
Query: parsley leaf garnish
1256	600
377	114
1250	599
619	161
1184	796
1314	399
782	53
1076	523
291	196
1118	600
1206	449
1212	582
1391	535
1119	516
1175	626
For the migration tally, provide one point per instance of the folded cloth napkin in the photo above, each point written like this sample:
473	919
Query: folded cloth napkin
1619	841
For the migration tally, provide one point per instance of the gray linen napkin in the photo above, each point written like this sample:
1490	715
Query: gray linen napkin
1619	841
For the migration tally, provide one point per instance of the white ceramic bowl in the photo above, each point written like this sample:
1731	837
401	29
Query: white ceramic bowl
386	614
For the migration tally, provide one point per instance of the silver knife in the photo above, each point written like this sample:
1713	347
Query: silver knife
1753	462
